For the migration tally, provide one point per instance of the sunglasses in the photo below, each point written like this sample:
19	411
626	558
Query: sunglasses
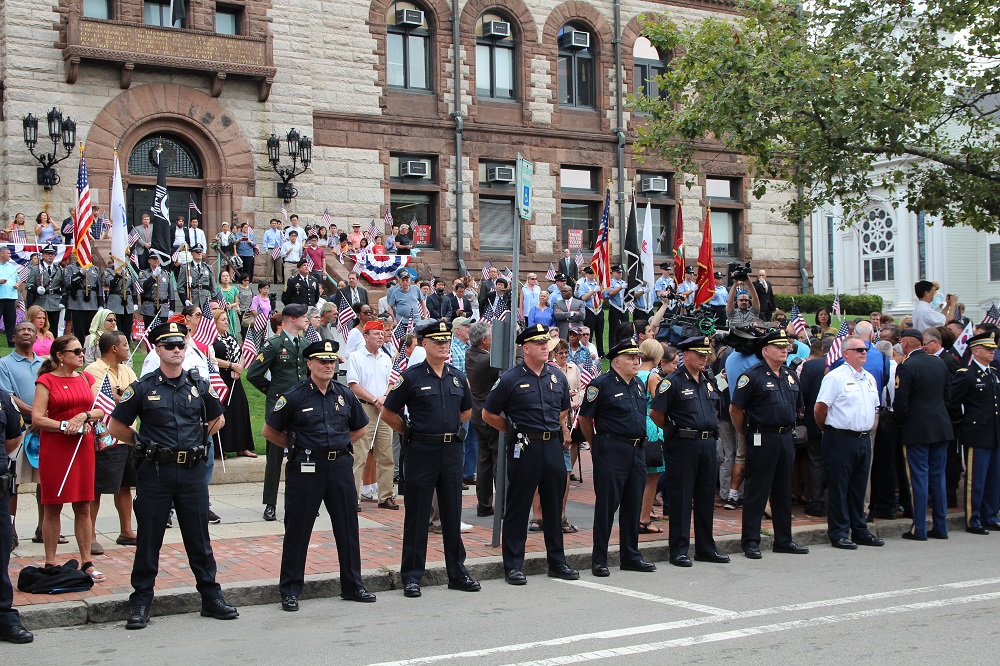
78	351
172	346
860	350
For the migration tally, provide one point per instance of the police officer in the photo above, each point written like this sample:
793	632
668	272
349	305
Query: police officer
686	406
157	291
120	299
281	355
438	399
302	287
617	400
197	281
84	296
534	396
179	413
615	296
765	405
975	405
45	283
317	420
11	424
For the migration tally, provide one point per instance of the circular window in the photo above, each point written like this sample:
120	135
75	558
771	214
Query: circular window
178	156
877	237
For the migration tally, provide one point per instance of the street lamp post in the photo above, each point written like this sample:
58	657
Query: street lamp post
300	150
61	130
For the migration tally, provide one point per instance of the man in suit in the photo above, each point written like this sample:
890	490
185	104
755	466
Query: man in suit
353	292
302	287
923	393
461	304
765	293
568	267
487	288
568	311
438	303
145	242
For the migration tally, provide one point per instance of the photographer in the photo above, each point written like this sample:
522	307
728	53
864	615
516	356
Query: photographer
743	306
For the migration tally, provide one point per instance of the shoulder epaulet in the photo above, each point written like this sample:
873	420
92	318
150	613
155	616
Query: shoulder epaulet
962	370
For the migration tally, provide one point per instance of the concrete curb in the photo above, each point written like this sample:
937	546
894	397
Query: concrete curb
115	608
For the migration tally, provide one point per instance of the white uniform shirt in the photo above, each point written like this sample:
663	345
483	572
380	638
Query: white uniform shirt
851	398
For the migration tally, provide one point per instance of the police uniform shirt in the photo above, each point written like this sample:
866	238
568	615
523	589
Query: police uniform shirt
533	402
617	407
769	399
119	288
322	422
435	404
11	424
975	398
689	403
585	286
615	300
170	409
851	398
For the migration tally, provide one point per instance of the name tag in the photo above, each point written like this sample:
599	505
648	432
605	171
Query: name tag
757	440
524	386
307	409
152	398
308	468
517	450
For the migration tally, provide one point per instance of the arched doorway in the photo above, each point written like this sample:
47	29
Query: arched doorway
185	177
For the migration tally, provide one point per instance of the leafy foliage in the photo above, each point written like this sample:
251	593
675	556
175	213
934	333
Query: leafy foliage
860	305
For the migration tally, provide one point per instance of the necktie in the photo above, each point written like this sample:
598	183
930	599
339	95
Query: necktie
354	296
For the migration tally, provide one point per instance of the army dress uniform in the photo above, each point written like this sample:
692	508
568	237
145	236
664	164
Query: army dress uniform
433	462
202	284
45	286
120	299
691	408
771	402
171	449
617	410
84	297
157	291
319	471
301	290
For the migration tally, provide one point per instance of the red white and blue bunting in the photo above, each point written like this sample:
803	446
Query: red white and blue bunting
379	269
22	253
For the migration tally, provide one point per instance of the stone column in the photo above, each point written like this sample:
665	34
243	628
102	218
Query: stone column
905	258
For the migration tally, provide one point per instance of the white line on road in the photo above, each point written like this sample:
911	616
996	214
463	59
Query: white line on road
755	631
694	622
710	610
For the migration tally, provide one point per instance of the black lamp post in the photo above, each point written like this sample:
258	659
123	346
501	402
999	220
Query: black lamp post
61	130
300	150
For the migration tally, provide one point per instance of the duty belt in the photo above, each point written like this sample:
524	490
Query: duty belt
434	438
634	441
544	436
851	433
688	433
780	430
318	454
188	457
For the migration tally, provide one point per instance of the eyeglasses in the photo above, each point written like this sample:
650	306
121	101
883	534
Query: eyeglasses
78	351
860	350
172	346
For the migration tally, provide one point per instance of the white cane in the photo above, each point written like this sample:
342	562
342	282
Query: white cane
70	466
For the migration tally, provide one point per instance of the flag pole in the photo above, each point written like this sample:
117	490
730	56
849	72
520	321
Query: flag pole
75	452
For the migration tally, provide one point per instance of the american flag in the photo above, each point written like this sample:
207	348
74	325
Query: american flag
105	400
215	379
836	305
20	309
345	316
798	322
105	226
371	232
192	205
207	332
508	275
284	212
424	312
630	306
403	328
17	237
84	215
326	219
992	315
550	274
133	237
310	264
254	339
23	272
312	335
601	261
486	269
579	259
144	340
388	220
275	252
836	352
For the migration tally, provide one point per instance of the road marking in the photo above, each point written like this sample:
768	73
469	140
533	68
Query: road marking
710	610
694	622
756	631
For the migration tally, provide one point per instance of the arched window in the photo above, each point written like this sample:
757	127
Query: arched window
648	65
576	67
407	47
878	245
180	158
495	57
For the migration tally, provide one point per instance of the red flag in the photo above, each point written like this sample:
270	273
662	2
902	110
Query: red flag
679	247
706	266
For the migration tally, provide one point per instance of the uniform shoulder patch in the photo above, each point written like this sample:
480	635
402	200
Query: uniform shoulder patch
280	403
396	384
127	395
664	385
897	381
592	392
743	381
211	392
260	357
962	370
495	384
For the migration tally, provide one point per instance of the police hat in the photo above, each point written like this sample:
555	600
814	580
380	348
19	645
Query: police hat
666	266
689	271
168	332
588	270
435	330
152	255
616	268
323	350
536	333
294	310
718	275
560	276
197	248
776	337
48	249
984	339
626	346
697	344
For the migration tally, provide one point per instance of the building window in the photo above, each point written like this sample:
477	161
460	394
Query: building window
496	225
417	210
878	243
495	57
414	169
663	229
180	158
576	67
408	47
497	175
578	217
829	249
725	233
97	9
994	262
157	12
648	65
723	189
228	20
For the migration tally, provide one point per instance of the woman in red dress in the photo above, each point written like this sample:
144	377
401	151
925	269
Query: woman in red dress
63	410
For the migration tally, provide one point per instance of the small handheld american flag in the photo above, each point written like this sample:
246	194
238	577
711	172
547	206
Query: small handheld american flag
207	332
254	339
550	274
992	315
486	269
215	380
836	352
193	206
798	322
371	232
326	217
836	305
388	220
312	335
105	400
345	316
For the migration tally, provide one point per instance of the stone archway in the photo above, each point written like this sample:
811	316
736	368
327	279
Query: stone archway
211	129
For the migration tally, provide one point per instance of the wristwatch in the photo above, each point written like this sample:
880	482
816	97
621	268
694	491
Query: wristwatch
63	425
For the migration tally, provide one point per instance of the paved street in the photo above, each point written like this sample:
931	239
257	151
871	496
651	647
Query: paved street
904	603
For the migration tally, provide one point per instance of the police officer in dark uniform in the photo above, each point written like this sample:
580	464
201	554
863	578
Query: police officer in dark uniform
157	291
439	401
179	413
84	297
317	420
765	406
301	288
534	397
686	406
975	405
120	299
11	425
617	400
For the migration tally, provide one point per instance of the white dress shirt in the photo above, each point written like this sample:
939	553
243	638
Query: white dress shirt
851	398
370	371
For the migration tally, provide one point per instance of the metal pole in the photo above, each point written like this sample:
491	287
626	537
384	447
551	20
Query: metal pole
620	130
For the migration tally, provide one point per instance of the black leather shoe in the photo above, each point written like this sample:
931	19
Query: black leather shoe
17	634
481	512
564	571
290	604
714	557
641	566
600	570
752	552
411	590
910	536
844	544
360	594
270	514
681	561
219	609
138	618
934	534
466	584
992	527
869	540
792	548
977	529
515	577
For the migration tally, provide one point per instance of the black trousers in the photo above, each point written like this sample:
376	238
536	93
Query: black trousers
124	324
595	322
158	487
9	617
429	467
817	474
692	469
884	453
248	267
488	439
615	319
768	474
331	484
619	480
542	467
274	454
953	471
53	316
81	321
846	459
8	308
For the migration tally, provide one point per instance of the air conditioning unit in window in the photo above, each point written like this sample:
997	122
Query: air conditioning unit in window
409	18
413	169
653	185
499	29
575	39
500	174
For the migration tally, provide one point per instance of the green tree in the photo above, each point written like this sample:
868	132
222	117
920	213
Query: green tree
816	94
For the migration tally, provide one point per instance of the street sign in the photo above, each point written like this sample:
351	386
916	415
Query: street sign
525	178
